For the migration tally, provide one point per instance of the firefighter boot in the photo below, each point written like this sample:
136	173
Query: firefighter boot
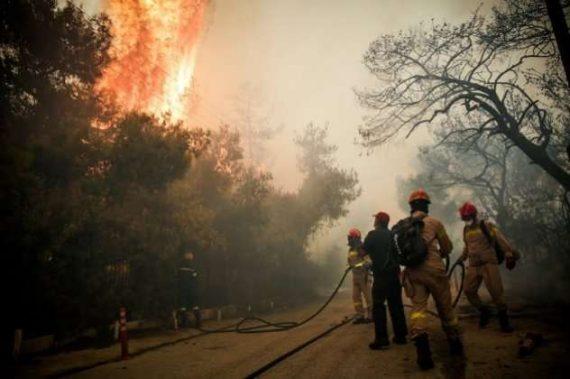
400	340
484	316
379	344
456	347
504	322
423	351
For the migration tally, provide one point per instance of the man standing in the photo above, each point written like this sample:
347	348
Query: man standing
485	247
187	289
386	287
360	278
427	277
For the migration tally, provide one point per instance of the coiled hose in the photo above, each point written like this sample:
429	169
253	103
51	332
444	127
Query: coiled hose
266	326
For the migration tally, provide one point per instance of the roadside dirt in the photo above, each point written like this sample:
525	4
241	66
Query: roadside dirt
342	354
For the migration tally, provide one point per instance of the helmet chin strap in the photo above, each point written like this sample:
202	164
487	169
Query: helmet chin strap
354	242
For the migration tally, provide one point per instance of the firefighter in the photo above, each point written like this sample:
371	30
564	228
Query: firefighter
485	248
187	290
429	278
387	287
360	278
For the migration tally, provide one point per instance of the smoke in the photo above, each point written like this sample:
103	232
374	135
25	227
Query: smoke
154	49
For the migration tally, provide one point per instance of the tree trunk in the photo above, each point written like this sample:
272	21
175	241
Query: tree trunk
540	157
560	29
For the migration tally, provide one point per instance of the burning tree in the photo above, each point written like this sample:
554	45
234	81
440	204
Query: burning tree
497	78
153	51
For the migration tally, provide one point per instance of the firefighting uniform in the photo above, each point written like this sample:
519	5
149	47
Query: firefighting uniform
483	264
361	284
430	278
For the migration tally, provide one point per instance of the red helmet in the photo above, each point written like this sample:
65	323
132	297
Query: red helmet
467	211
382	217
419	194
354	233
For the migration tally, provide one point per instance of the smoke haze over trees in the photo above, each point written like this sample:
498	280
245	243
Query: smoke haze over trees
99	207
499	77
494	94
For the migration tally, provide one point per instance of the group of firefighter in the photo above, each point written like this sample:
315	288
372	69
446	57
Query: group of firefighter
485	247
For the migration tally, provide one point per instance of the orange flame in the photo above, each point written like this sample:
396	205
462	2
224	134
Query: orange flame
154	51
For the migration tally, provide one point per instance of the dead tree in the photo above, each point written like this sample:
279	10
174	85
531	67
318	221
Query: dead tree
482	167
476	72
560	29
524	201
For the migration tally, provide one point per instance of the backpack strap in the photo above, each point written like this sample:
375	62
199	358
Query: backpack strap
493	242
487	233
428	244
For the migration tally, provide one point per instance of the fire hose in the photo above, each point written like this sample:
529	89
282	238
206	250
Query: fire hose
265	326
282	357
458	263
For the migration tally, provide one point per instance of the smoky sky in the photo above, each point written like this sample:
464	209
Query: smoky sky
298	61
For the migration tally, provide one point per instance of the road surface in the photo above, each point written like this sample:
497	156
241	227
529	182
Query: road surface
344	353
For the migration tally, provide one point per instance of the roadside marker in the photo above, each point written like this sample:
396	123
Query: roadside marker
123	334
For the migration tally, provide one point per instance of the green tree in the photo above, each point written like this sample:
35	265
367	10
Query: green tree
50	58
137	221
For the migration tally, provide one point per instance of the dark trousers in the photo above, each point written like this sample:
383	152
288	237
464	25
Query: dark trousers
387	288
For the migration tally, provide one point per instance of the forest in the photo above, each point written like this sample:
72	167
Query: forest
100	206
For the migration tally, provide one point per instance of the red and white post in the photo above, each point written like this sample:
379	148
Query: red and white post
123	334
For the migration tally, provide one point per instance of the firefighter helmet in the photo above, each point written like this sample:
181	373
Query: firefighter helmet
419	194
382	217
354	233
467	211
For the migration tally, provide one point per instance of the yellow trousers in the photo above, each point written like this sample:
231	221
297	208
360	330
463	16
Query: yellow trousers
419	284
489	274
361	288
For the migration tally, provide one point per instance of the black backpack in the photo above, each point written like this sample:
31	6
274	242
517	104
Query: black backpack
408	243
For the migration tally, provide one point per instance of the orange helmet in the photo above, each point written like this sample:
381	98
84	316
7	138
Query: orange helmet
354	233
419	194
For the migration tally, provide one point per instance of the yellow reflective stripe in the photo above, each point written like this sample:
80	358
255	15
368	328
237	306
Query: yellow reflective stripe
473	233
357	303
453	321
417	315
